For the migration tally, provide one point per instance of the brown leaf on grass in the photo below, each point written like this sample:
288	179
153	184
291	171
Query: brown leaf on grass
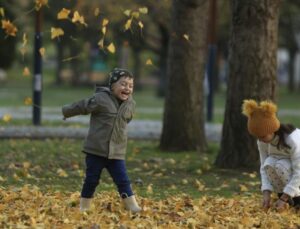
34	208
6	118
28	101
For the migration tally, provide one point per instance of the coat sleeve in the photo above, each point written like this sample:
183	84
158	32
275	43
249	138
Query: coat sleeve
265	183
132	111
292	188
82	107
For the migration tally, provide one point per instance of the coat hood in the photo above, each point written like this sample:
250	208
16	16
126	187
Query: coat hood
101	89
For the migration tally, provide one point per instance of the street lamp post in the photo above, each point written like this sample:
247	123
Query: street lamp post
37	78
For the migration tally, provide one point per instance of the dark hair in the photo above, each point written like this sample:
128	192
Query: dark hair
284	129
116	74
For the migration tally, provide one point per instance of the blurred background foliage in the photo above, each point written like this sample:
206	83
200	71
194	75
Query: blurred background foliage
75	62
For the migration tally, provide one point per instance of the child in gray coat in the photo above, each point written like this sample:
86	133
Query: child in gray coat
110	109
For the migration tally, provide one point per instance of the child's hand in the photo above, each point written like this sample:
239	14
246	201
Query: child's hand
281	205
266	200
266	204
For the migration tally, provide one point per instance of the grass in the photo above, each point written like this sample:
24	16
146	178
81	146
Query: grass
58	165
17	88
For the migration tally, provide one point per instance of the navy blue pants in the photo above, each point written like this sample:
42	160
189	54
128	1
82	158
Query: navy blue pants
116	168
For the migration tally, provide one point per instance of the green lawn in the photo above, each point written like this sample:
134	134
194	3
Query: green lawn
17	88
58	165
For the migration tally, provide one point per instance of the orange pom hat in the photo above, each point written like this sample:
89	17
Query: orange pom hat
262	118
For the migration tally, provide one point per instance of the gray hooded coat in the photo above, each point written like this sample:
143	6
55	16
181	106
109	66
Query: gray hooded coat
107	135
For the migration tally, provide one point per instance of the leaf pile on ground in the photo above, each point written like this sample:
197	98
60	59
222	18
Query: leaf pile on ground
29	207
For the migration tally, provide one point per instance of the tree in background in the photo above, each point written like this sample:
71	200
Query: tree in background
7	43
252	74
289	30
183	123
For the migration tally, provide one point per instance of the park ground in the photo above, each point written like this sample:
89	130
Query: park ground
40	186
40	180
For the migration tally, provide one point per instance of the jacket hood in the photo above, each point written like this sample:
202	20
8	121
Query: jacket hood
101	89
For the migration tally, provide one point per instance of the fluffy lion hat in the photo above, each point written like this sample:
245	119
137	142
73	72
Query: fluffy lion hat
262	118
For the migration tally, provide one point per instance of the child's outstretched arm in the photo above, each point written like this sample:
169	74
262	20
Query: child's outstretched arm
82	107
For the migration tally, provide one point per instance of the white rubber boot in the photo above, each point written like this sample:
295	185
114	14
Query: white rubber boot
131	204
85	204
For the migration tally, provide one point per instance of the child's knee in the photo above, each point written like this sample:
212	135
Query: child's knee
269	169
282	169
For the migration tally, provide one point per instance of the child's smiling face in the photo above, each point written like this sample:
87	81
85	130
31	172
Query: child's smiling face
123	88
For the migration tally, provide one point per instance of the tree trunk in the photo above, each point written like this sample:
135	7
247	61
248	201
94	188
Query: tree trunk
163	57
252	64
183	124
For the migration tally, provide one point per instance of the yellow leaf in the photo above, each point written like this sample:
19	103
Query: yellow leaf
56	32
104	30
143	10
63	14
128	24
24	39
61	173
10	28
149	189
180	213
16	177
42	51
78	18
185	36
40	3
141	24
243	188
23	49
127	12
2	14
101	43
105	22
199	171
111	48
96	11
28	101
2	179
173	187
26	71
185	181
26	165
149	62
33	222
6	118
199	185
135	14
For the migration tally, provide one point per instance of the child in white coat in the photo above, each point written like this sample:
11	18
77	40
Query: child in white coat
279	150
